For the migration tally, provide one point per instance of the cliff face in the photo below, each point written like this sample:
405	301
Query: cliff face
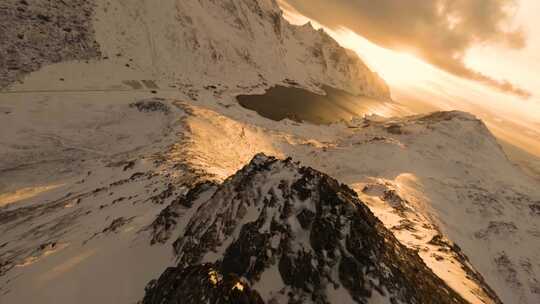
37	33
238	44
276	232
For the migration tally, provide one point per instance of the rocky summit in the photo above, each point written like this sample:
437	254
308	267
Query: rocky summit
130	165
276	232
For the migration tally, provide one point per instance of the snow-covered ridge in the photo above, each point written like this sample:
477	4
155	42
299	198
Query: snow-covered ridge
439	182
103	172
231	44
446	167
276	232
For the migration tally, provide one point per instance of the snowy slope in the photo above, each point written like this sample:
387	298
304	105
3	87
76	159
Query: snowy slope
91	229
432	180
92	182
231	44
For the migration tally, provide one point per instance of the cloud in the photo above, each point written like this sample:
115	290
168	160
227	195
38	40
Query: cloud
439	31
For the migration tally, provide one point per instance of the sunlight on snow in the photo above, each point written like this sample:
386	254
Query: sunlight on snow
24	193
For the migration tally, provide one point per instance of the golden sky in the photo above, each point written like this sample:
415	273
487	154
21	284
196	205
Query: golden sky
413	81
440	32
521	65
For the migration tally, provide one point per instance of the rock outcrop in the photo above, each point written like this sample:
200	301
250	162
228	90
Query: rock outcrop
276	232
37	33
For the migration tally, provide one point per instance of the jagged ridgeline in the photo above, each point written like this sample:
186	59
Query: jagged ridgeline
276	232
228	43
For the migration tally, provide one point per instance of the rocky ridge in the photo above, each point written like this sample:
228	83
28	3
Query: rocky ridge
276	232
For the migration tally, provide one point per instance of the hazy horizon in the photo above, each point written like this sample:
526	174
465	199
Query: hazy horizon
425	87
203	151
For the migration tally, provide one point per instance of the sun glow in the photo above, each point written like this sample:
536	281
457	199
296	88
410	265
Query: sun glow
426	88
395	67
412	80
24	193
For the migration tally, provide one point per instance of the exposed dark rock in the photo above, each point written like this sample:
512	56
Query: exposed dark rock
168	218
395	201
535	208
164	195
32	37
497	229
507	269
116	224
200	284
276	216
151	105
394	129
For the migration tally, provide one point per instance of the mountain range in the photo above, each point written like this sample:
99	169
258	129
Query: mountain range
129	173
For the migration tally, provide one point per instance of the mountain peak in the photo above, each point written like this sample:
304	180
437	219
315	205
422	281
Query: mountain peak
183	42
285	233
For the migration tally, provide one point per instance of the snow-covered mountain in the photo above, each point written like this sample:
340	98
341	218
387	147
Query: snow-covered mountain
208	43
276	232
440	181
424	177
123	154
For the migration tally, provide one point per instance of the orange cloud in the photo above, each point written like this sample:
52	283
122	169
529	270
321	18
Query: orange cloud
439	31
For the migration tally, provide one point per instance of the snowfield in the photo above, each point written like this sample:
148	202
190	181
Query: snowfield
98	157
424	177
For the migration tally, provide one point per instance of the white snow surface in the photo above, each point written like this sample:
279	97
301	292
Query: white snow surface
447	168
231	43
61	141
450	171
